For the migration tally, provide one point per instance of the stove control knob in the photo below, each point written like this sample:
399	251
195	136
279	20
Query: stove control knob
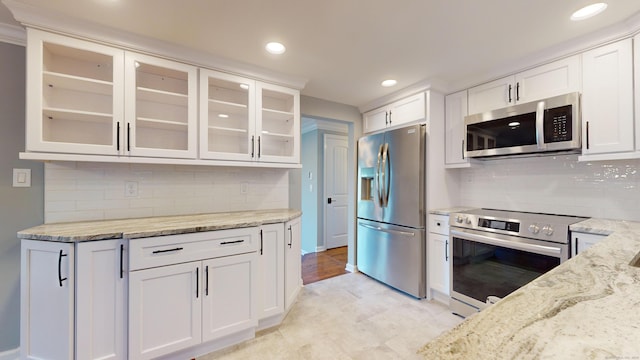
467	220
547	230
534	229
459	219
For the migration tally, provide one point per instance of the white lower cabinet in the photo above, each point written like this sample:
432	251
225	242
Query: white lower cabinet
438	255
193	289
73	288
271	276
582	241
292	262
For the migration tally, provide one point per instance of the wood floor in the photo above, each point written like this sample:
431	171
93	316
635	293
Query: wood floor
323	265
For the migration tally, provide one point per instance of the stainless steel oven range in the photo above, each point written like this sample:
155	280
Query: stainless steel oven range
495	252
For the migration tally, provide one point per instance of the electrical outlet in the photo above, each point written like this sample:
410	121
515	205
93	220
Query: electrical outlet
244	188
130	188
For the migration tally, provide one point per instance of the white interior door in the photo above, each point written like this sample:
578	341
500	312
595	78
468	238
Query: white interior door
335	190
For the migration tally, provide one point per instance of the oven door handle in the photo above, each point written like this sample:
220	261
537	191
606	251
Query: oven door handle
538	249
390	231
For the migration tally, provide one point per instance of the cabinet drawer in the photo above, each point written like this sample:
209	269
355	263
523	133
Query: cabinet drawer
173	249
439	224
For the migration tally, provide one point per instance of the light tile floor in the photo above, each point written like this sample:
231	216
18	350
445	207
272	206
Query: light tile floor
348	317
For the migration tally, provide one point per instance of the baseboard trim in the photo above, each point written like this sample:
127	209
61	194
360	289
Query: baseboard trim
321	248
351	268
10	354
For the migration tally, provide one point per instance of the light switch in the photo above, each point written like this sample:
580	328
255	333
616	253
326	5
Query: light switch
21	177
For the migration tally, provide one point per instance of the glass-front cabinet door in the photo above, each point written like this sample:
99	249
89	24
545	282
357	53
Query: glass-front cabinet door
160	107
278	124
227	117
75	101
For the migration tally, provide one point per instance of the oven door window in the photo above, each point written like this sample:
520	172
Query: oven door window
481	270
518	130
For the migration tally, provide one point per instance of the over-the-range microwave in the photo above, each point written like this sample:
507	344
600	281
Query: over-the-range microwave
548	125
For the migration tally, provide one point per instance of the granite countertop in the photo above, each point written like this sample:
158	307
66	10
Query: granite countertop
586	308
155	226
448	211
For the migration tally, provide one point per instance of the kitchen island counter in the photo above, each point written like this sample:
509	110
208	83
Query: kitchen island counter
155	226
586	308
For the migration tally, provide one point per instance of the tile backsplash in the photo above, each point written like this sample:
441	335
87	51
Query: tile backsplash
77	191
555	184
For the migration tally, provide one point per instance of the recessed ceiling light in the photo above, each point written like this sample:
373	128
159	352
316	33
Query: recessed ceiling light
389	82
224	116
275	48
244	86
588	11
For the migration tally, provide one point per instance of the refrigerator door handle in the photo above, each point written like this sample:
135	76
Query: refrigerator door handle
378	192
390	231
386	175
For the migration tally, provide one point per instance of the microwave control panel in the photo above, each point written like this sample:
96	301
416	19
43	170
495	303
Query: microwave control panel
558	124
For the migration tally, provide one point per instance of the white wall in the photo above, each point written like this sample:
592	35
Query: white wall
77	191
556	184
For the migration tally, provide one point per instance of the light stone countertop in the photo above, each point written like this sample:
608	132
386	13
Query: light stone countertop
155	226
586	308
449	211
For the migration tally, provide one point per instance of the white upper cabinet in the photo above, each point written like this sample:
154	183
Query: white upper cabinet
455	111
241	119
160	107
277	124
227	116
408	110
607	99
556	78
75	100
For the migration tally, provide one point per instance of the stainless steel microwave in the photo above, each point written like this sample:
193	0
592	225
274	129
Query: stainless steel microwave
548	125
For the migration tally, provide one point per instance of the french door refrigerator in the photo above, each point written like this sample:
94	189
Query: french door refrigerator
391	241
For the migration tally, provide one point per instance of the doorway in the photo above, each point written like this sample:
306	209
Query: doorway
325	161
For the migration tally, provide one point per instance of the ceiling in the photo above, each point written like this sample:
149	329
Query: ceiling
345	48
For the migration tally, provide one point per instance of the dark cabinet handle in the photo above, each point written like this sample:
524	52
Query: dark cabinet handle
517	91
197	282
231	242
206	280
128	136
60	278
386	118
446	250
118	137
167	250
389	117
587	135
259	147
509	93
121	261
261	242
290	237
462	149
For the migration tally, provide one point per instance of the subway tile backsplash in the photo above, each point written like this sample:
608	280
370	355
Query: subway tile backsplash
555	184
77	191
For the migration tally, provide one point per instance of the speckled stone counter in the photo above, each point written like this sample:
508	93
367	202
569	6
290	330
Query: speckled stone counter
155	226
451	210
586	308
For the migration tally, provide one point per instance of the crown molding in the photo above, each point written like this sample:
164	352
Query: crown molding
309	124
13	34
418	87
32	16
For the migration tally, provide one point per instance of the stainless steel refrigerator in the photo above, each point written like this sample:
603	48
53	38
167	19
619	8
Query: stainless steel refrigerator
391	239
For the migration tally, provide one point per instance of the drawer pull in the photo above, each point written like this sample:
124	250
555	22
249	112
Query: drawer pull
231	242
167	250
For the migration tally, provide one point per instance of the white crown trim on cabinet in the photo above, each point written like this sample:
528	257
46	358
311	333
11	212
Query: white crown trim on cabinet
15	35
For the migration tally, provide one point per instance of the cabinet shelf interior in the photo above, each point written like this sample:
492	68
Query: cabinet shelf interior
76	62
161	96
227	129
160	124
76	83
87	116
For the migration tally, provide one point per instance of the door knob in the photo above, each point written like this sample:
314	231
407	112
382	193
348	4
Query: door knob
329	201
